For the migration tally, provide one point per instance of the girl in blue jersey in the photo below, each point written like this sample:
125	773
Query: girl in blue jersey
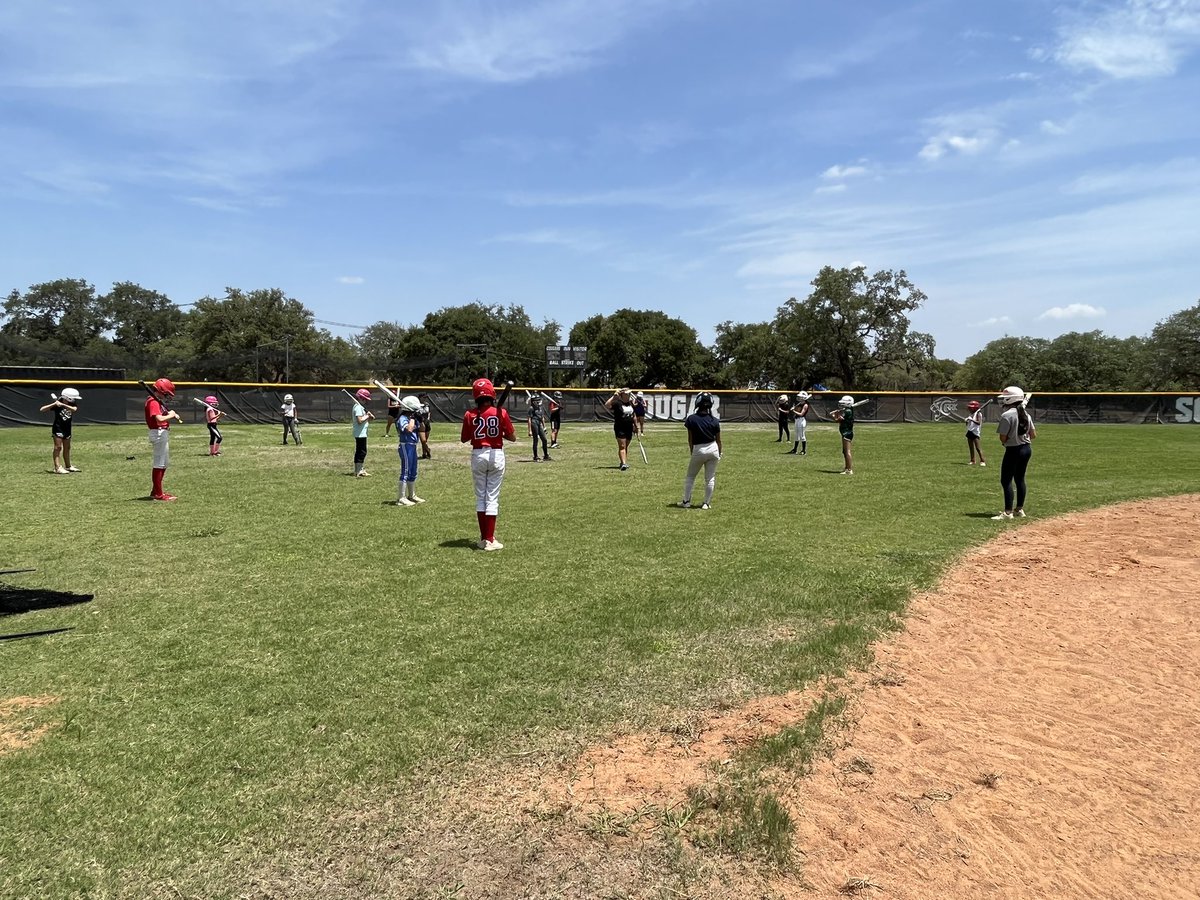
704	442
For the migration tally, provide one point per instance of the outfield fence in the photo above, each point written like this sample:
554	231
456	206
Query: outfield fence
122	402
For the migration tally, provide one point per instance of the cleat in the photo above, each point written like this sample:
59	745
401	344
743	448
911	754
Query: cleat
1020	514
72	469
1004	516
982	465
494	545
684	504
415	499
705	506
404	501
624	466
59	470
547	457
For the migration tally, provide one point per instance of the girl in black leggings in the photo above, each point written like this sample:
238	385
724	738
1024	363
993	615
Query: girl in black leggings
1016	433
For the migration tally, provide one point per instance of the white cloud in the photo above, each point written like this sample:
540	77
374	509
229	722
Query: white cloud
994	320
351	279
551	237
500	44
1135	39
830	189
1074	311
1052	128
965	144
844	171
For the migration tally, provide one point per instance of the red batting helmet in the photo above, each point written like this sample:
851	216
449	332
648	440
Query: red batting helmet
164	386
211	400
363	394
481	387
973	405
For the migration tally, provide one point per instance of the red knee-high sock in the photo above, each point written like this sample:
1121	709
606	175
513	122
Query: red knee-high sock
489	524
482	517
157	475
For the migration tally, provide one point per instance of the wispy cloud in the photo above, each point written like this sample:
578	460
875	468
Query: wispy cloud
1073	311
351	279
500	44
844	171
993	321
1133	39
949	142
551	237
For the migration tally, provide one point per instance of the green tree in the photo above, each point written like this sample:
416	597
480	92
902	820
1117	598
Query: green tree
259	335
1089	361
140	317
750	356
1173	352
1004	361
460	343
63	314
643	347
850	326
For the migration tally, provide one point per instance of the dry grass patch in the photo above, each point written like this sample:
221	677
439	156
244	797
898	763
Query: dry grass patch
19	729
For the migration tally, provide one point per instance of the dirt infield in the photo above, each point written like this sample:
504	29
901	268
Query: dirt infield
1034	732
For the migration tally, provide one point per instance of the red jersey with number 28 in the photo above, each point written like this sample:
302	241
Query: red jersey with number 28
487	427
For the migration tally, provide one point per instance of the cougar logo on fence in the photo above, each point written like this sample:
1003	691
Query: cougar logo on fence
675	406
944	408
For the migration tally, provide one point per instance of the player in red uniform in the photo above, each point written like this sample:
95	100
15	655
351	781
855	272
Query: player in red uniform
487	427
158	420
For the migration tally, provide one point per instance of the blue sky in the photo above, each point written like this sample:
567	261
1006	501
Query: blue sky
1033	166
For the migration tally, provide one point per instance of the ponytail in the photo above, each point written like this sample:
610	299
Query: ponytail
1022	419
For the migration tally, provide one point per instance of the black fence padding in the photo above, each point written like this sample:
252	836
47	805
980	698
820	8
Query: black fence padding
115	403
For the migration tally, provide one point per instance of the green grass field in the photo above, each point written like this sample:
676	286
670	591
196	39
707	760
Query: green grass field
283	644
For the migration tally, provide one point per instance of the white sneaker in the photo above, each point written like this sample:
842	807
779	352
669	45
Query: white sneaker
684	504
705	506
61	471
493	545
846	472
1004	516
415	499
983	465
404	501
1020	513
72	469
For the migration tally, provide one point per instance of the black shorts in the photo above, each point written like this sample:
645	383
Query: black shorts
61	431
556	419
393	413
623	431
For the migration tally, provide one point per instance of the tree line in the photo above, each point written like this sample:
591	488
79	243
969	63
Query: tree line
851	332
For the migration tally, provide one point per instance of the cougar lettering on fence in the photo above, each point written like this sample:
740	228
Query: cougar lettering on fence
675	406
1187	409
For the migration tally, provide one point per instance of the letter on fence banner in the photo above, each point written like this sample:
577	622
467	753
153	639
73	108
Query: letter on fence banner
1187	412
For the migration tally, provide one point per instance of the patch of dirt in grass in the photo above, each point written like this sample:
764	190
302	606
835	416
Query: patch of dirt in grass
1033	732
17	730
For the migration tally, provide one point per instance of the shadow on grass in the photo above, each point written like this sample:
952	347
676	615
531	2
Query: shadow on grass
980	515
15	601
33	634
460	543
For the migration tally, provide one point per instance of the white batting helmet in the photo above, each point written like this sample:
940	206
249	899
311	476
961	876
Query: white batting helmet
846	400
1011	395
